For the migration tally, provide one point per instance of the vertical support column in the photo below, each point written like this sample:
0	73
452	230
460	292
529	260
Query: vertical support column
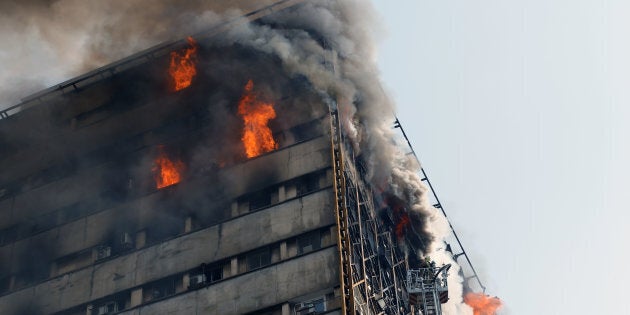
188	225
141	239
341	214
234	266
283	251
282	195
136	297
286	309
361	243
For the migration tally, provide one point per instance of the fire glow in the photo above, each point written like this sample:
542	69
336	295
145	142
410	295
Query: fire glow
401	225
165	171
182	68
401	217
257	137
482	304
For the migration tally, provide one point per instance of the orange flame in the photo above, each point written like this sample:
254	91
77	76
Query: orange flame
401	225
165	171
482	304
257	137
182	68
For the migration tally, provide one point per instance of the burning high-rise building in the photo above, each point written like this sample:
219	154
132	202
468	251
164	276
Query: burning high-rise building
250	168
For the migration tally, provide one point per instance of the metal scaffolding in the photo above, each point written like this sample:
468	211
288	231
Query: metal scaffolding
428	288
377	265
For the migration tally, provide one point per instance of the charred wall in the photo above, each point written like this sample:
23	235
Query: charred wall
83	161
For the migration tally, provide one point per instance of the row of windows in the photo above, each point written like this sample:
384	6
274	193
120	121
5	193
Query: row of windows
209	273
106	199
122	242
297	187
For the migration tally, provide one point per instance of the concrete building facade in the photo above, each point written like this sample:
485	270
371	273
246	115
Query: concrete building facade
85	230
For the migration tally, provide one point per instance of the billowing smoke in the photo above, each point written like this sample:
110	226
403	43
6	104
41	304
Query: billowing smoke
68	37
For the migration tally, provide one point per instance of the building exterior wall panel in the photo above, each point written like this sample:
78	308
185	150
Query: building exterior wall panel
182	253
255	290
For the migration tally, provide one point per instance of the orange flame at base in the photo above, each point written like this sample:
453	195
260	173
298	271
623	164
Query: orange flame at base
257	137
166	172
182	68
482	304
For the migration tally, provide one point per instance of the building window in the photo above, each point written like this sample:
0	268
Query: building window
162	289
8	235
309	242
259	200
197	280
5	284
103	251
258	259
312	307
107	308
307	131
274	310
307	183
214	273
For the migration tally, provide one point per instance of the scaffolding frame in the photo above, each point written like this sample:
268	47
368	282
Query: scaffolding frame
428	288
372	267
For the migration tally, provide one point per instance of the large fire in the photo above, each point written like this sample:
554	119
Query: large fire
182	68
165	171
257	137
400	215
482	304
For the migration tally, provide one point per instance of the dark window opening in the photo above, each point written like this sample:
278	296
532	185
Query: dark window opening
196	280
258	259
307	184
214	274
260	200
309	242
206	274
161	289
307	131
163	228
111	305
103	251
44	222
70	213
73	261
274	310
8	235
5	284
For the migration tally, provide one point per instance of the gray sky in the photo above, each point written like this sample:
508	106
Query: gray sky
520	111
